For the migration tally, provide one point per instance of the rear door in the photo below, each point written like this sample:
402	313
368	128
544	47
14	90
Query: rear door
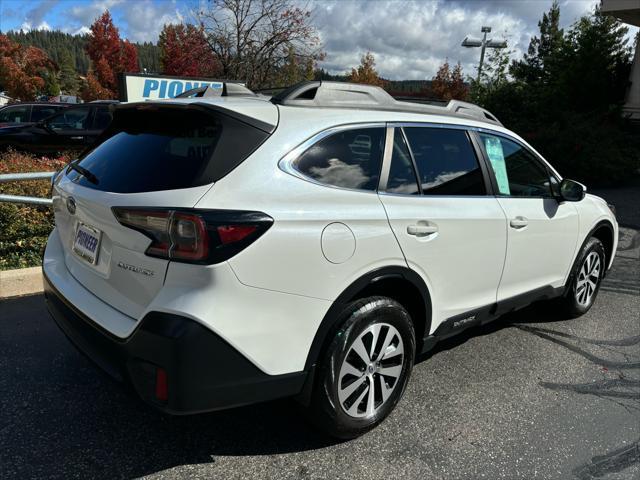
542	232
449	229
66	130
152	157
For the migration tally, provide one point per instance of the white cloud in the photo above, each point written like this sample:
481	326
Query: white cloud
26	26
85	14
145	19
411	39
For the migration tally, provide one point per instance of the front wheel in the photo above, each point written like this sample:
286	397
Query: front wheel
365	368
587	276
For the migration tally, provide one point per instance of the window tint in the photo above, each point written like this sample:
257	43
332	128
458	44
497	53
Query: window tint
517	171
154	149
14	114
446	162
402	177
102	120
349	159
40	112
70	119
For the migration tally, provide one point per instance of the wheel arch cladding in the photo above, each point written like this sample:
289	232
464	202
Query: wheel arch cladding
398	283
603	231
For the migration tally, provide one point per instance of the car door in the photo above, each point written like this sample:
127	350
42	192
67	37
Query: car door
67	130
100	121
451	231
542	232
41	112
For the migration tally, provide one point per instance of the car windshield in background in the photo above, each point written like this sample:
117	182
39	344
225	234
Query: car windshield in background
165	149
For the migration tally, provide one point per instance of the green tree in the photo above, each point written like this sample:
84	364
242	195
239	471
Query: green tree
541	58
68	75
51	84
565	97
595	64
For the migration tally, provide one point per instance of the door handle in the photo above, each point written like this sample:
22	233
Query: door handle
519	222
77	138
422	230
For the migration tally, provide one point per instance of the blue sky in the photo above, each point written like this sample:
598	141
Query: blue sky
409	39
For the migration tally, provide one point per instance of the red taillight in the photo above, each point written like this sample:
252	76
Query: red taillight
195	236
235	233
162	385
189	237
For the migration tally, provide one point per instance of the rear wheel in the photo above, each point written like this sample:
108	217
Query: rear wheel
365	368
587	276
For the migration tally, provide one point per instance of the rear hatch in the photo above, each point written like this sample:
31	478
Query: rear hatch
154	156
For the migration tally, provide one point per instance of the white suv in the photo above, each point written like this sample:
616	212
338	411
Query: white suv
220	251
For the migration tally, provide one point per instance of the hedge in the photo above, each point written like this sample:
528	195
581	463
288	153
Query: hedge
24	228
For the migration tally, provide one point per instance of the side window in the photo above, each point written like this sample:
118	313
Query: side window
348	159
446	162
102	119
71	119
402	177
517	171
41	112
14	114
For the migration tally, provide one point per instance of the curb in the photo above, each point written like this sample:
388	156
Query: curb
23	281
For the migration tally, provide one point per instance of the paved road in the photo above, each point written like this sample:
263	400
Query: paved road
531	396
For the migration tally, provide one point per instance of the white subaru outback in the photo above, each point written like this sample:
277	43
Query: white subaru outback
216	252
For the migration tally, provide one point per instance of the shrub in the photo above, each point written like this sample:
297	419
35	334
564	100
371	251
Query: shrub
24	228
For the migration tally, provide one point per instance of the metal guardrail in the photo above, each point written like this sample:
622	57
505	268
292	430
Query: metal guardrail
20	177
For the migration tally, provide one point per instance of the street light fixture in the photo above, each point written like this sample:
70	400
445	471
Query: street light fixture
471	42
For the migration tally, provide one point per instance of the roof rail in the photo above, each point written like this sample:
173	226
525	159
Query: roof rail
369	97
229	89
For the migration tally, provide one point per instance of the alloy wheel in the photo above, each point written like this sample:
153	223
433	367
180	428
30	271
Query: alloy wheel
588	279
371	370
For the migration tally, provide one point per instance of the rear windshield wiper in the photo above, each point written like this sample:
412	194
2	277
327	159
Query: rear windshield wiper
84	172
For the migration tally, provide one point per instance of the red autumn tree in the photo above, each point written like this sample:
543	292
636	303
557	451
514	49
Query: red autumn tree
23	69
449	83
109	56
184	51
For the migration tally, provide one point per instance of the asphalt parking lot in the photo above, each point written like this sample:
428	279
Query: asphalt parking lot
530	396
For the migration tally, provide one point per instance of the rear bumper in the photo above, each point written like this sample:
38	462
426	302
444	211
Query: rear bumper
203	372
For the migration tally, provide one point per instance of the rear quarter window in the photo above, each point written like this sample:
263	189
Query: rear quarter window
347	159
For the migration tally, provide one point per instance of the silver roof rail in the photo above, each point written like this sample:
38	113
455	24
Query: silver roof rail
368	97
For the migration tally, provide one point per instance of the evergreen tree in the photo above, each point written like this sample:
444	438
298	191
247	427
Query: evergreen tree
539	61
68	76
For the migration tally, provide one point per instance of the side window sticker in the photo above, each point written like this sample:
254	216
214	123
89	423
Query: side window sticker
493	147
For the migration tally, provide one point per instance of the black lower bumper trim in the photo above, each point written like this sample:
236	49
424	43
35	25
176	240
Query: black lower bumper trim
204	372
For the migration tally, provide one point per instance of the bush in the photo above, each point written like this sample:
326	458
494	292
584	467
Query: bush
24	228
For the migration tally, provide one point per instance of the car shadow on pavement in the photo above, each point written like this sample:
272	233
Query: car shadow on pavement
61	418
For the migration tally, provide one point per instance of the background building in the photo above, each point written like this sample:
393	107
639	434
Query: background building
628	11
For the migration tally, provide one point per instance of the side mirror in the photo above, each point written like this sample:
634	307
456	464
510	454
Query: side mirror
572	191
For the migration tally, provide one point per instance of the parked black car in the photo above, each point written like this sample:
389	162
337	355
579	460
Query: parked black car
76	127
29	112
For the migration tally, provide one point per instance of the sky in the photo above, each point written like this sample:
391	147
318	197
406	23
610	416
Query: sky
409	39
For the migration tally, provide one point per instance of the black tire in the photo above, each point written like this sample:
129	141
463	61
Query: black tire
570	302
326	410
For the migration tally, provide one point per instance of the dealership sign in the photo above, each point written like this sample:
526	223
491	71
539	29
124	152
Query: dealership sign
138	88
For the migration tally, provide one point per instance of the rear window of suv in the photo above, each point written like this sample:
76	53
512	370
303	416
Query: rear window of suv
165	148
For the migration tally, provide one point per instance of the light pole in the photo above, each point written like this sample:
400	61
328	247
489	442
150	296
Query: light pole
484	43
